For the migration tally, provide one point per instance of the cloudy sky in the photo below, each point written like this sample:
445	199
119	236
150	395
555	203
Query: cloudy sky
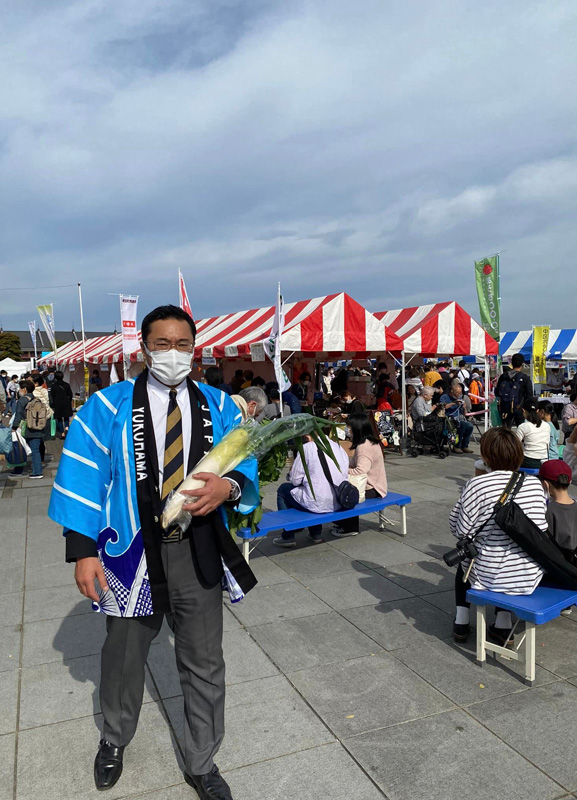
376	147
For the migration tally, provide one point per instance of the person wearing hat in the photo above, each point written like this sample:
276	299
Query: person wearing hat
556	477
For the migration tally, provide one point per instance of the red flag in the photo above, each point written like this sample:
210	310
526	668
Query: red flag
183	297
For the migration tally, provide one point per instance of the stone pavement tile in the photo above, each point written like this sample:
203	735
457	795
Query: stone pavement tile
282	601
53	573
375	549
62	757
10	639
244	660
424	760
229	621
314	562
351	589
264	720
29	490
267	572
454	672
323	773
556	648
446	602
55	603
11	576
8	701
401	623
311	641
7	754
39	484
367	693
421	577
539	724
63	639
58	691
423	491
181	791
10	609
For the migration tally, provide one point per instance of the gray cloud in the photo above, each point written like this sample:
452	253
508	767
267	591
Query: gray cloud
376	148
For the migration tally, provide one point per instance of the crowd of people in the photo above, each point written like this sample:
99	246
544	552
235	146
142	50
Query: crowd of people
40	403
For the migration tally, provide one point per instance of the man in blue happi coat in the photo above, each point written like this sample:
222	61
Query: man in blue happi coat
127	449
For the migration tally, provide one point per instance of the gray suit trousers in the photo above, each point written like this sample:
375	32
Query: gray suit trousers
195	618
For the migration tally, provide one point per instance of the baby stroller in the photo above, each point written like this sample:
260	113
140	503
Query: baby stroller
387	428
429	435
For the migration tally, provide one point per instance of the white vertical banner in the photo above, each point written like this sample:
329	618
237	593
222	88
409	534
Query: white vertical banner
128	309
272	345
47	319
32	329
113	374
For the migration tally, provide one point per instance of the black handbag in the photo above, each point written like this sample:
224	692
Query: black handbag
539	545
347	495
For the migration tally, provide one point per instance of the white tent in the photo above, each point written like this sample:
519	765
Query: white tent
15	367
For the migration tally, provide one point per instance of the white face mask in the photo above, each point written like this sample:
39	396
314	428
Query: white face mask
169	366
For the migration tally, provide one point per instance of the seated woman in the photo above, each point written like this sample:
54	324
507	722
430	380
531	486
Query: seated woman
297	493
501	565
366	459
548	415
534	435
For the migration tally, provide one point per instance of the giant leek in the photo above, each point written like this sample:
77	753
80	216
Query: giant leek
248	440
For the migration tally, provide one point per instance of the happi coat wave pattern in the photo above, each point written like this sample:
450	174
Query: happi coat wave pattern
95	489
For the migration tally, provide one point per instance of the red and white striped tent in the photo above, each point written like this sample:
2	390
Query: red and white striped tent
331	325
72	353
439	329
334	325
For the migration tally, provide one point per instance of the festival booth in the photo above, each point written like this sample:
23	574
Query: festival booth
441	330
16	367
324	328
562	344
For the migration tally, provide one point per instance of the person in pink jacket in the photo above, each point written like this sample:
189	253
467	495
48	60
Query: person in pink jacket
366	459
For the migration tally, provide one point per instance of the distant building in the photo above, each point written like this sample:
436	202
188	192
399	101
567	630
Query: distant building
42	343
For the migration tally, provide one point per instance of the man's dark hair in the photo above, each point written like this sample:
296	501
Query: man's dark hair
38	380
462	363
29	385
213	376
239	373
361	430
274	393
58	376
23	384
248	374
518	360
305	375
162	313
95	372
258	381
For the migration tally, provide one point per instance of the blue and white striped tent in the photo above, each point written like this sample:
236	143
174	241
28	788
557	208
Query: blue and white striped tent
562	344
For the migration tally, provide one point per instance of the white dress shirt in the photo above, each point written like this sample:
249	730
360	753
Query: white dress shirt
159	398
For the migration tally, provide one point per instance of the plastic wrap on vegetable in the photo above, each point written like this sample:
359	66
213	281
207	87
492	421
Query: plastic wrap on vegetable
246	441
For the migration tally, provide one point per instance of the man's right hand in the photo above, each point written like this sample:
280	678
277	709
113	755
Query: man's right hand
87	569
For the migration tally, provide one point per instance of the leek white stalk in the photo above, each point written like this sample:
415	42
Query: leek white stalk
245	441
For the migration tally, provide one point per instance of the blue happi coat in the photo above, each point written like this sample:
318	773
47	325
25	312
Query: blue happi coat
95	489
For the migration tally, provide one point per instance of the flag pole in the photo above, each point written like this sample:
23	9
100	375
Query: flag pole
280	351
86	385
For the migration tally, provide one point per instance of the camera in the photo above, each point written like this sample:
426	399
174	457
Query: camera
464	549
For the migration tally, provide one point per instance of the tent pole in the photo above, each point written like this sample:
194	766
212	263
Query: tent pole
403	395
487	381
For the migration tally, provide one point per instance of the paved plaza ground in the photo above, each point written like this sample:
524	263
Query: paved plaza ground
343	680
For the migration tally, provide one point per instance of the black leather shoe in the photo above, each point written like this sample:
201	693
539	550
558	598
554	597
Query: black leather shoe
461	632
211	786
107	765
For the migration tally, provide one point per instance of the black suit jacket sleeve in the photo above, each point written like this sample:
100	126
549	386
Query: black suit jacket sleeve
79	546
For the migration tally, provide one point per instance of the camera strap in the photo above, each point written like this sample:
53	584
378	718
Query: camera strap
509	492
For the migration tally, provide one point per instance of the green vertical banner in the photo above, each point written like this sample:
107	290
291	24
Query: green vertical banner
487	278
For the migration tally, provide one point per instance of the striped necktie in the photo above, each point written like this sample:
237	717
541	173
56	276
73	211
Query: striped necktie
173	474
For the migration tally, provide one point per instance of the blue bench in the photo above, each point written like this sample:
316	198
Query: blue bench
291	519
529	471
546	603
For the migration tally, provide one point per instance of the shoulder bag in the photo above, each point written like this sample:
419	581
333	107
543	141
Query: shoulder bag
347	495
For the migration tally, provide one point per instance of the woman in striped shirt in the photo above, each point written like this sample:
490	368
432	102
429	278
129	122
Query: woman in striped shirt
501	565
